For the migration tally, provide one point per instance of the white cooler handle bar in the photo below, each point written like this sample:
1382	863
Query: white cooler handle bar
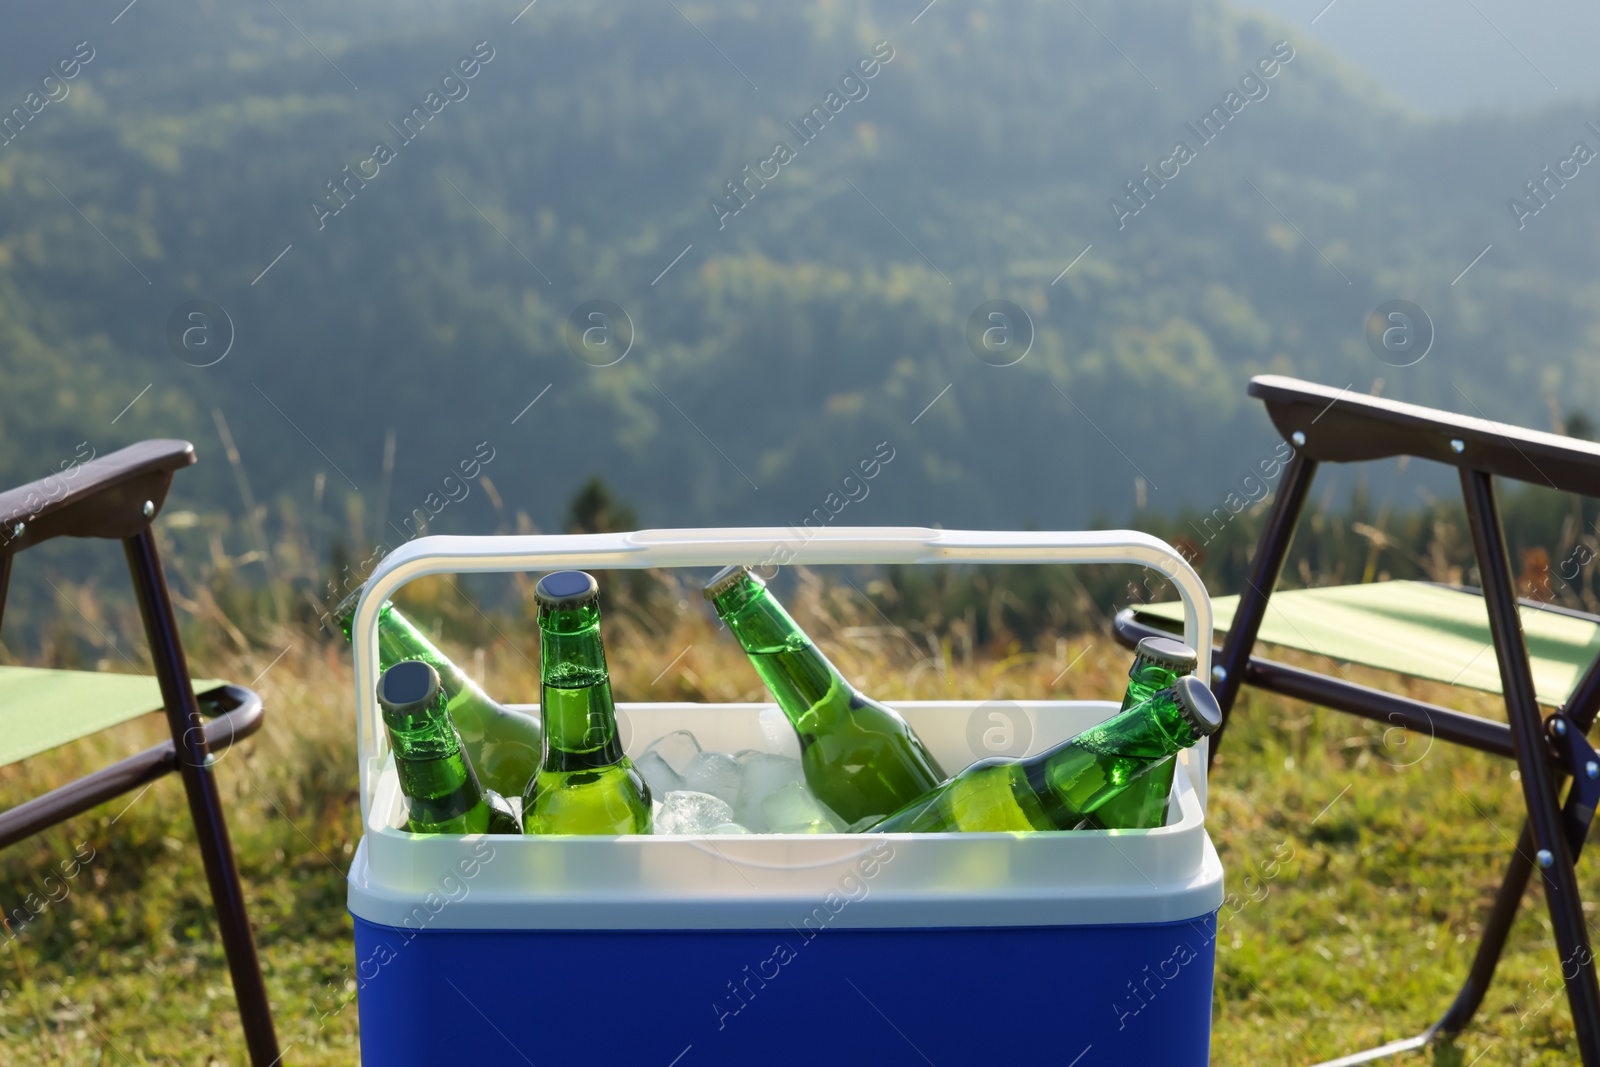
754	546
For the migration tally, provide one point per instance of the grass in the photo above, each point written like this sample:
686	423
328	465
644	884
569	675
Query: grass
1388	851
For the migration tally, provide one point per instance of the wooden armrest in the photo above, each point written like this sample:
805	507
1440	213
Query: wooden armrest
102	497
1344	427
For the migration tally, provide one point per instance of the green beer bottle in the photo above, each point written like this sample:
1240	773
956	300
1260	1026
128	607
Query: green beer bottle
1158	662
443	795
585	785
1058	788
503	744
860	757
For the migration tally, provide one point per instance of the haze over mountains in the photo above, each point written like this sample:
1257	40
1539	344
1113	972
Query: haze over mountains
775	348
1445	57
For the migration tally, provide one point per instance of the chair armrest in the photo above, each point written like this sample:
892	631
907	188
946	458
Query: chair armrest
1344	427
103	497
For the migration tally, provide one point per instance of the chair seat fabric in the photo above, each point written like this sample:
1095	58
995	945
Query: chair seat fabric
41	709
1415	628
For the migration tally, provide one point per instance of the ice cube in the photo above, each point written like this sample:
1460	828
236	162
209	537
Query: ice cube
687	812
761	775
716	773
793	809
727	828
778	734
676	749
659	773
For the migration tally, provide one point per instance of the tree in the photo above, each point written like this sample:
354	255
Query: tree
594	508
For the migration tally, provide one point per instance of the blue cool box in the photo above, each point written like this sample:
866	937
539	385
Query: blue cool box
1074	949
957	996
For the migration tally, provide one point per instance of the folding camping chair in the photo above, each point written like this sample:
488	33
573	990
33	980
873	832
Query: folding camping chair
118	496
1437	632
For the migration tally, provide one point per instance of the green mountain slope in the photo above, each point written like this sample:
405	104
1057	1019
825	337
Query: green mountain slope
787	341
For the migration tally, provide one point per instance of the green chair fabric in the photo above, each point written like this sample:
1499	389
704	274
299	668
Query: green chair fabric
41	709
1415	628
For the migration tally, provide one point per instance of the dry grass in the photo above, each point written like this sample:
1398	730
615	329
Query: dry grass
1358	940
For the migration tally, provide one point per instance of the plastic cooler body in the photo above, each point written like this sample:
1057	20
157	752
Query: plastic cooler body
985	995
1088	947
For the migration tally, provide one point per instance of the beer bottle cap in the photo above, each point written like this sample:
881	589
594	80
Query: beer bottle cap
1165	652
561	590
409	687
724	580
1198	705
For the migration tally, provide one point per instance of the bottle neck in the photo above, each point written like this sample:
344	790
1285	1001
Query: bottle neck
1152	729
1145	680
799	675
580	720
434	772
400	639
1073	779
422	736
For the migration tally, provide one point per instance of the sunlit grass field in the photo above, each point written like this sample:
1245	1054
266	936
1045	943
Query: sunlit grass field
1360	938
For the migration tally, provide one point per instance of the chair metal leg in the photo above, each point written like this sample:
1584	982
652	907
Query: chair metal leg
205	806
1484	962
1495	931
5	581
1577	813
1228	673
1553	857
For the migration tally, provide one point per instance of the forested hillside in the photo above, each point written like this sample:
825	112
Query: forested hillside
776	348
